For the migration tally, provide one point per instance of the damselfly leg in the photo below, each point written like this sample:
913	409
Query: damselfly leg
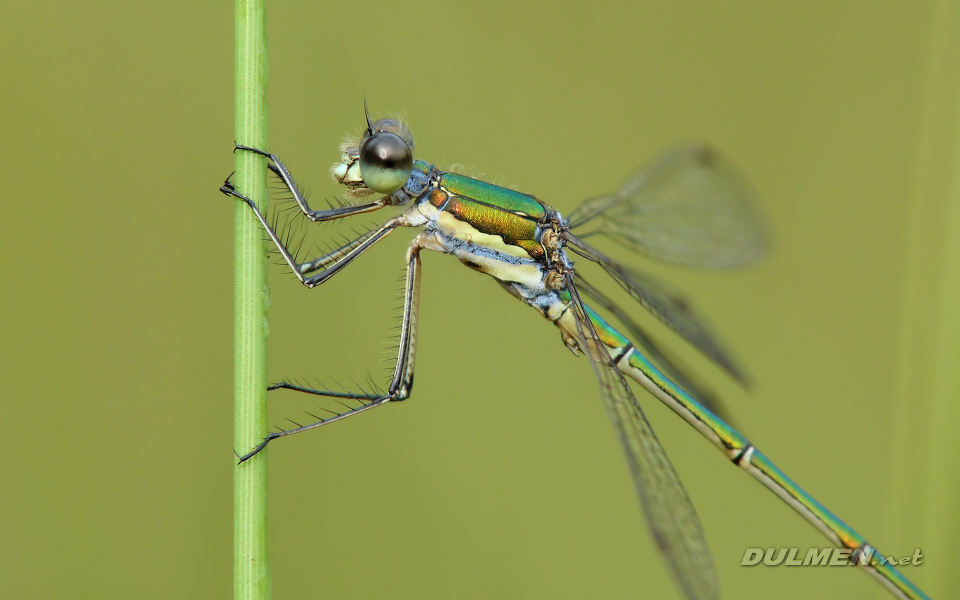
333	256
402	381
331	214
333	262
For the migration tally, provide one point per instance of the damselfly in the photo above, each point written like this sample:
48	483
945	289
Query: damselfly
687	208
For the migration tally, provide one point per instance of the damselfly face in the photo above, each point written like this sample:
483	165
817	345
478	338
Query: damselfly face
380	161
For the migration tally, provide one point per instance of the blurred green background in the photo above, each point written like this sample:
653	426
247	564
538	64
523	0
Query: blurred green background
495	479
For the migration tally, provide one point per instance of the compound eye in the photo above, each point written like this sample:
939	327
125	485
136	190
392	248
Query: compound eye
386	162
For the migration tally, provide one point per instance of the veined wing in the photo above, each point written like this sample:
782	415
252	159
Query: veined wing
652	350
667	306
688	208
670	515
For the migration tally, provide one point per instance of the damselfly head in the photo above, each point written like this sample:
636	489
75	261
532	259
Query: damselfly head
381	161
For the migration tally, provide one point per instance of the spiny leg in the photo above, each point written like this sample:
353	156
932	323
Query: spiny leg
334	255
336	260
402	381
314	215
317	263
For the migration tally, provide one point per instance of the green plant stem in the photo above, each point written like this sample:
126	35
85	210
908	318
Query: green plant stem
251	571
925	482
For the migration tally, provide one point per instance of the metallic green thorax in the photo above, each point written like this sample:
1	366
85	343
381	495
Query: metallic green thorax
513	216
505	199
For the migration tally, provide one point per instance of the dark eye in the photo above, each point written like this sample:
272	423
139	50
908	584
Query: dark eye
385	162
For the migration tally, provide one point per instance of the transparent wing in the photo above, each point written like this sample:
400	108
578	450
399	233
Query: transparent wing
670	515
666	305
688	208
652	349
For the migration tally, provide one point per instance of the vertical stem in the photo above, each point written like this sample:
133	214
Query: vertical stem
251	571
925	482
